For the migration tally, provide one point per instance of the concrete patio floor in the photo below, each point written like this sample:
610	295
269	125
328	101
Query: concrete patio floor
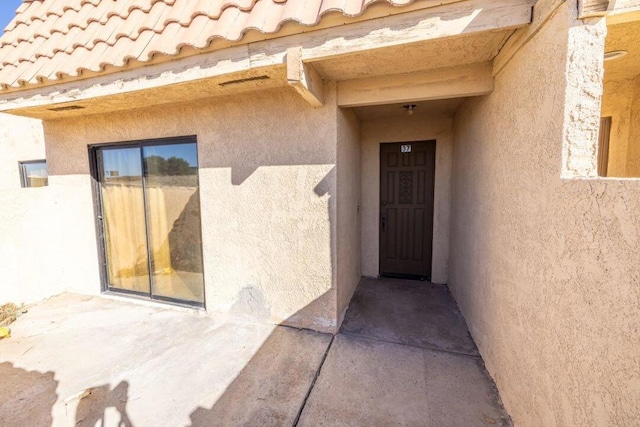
403	357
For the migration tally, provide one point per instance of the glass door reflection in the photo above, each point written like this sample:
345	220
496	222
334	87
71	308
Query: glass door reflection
151	219
123	219
173	221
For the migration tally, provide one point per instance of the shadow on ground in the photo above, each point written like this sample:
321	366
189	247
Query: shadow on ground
92	407
30	394
271	389
403	357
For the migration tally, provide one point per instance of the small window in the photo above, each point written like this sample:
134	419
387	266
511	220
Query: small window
34	173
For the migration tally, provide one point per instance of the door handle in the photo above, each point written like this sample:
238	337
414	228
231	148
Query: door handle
384	222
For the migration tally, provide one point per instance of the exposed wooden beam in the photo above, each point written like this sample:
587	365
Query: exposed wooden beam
542	12
456	82
592	8
304	78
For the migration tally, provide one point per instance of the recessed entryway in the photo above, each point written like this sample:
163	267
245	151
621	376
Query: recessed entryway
148	219
431	121
410	359
407	312
407	174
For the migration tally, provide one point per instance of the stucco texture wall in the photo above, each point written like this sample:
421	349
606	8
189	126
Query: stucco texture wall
621	102
403	129
545	270
29	218
347	240
267	174
633	158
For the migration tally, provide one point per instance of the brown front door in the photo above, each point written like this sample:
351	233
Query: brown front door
407	173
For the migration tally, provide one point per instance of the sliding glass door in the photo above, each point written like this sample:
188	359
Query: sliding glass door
150	219
123	219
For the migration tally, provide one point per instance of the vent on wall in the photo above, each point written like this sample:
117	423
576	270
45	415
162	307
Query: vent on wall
66	108
249	79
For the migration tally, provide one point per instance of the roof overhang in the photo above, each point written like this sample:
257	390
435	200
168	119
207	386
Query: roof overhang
303	61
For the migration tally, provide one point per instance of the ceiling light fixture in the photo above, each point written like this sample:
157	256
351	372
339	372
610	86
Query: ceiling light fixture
410	108
614	54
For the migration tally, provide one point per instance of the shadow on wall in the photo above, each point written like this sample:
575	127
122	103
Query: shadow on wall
270	389
24	395
263	146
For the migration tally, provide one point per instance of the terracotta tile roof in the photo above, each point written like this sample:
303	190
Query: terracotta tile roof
52	39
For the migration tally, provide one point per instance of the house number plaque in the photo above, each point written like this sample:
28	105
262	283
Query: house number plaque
406	148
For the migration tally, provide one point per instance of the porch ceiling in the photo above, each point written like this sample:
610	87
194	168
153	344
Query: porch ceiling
624	36
441	107
430	55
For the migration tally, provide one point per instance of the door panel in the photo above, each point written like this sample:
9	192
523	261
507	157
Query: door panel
173	212
406	208
123	217
151	219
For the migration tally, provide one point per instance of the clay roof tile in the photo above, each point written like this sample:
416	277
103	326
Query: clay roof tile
54	39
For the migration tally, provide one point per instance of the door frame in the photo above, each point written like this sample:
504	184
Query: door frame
433	206
99	224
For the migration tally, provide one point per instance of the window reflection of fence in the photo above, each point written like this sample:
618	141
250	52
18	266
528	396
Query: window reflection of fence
173	215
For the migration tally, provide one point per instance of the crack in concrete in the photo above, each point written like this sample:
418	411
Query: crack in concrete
458	353
313	383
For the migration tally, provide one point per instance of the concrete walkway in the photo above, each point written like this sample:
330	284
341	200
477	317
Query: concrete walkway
403	357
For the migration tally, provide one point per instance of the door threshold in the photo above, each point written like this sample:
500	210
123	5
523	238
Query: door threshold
416	277
159	303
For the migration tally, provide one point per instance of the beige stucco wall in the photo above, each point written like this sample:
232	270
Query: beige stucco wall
401	129
545	270
347	240
27	217
633	157
621	102
267	183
